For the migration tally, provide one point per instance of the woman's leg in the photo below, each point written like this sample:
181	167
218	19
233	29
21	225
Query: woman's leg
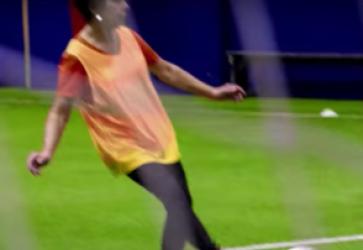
201	239
168	184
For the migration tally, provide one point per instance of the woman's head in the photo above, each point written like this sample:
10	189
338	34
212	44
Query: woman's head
109	12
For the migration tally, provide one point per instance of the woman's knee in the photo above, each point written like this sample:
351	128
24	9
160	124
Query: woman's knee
176	200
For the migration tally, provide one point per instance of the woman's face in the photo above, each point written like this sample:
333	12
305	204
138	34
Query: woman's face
113	12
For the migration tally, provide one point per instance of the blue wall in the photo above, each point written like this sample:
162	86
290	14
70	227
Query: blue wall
49	28
309	25
11	28
317	26
321	26
196	34
11	59
314	26
49	33
186	32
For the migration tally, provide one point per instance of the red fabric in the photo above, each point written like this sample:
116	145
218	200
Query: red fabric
77	20
150	55
72	77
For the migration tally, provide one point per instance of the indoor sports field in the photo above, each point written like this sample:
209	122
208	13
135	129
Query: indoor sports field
253	182
265	97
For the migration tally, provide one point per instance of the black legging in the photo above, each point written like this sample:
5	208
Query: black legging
168	183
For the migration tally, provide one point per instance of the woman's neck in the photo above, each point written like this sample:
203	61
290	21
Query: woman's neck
105	39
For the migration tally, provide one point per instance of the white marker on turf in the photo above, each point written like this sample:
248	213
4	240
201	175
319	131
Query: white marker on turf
328	113
301	248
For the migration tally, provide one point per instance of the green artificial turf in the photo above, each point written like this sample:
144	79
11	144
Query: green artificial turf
259	171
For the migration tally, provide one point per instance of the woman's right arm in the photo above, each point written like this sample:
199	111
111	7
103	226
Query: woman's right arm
55	124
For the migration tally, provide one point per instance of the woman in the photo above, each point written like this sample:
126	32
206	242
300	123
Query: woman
105	70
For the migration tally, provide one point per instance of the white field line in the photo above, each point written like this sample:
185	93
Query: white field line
194	109
7	101
267	114
309	242
283	114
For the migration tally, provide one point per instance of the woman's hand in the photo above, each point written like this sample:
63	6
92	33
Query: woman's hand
36	161
229	91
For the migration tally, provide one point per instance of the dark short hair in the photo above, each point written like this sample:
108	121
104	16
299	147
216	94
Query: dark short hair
85	7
